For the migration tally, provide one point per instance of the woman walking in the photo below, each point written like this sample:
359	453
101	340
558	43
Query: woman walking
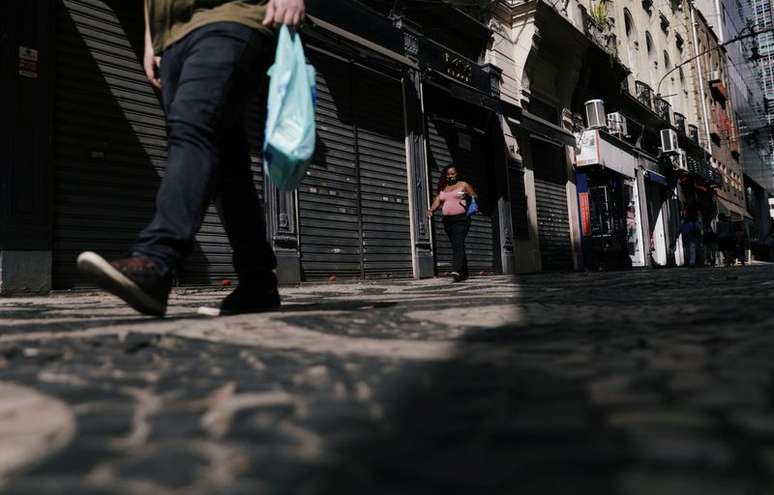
452	198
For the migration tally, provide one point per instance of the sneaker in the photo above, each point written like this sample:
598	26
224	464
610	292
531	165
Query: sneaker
256	296
137	280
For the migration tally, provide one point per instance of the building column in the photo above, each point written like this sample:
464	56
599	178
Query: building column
644	219
282	226
417	173
26	175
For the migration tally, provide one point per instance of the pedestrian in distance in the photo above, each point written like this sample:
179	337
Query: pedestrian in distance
453	196
710	241
740	243
208	58
690	232
725	235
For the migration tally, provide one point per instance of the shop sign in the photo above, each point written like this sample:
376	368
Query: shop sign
587	152
28	62
585	213
458	67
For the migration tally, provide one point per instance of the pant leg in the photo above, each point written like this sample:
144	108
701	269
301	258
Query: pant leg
692	253
457	230
217	65
240	211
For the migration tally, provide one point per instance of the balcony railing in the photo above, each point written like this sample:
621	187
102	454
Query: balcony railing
663	108
644	94
600	33
679	122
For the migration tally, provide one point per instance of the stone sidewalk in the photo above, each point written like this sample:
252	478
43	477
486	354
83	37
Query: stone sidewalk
645	382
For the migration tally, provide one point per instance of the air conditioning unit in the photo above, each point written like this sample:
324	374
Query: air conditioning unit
680	161
616	123
669	142
713	76
595	114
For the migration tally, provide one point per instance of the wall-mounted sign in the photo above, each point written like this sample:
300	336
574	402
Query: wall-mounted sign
587	149
594	149
585	213
457	67
28	62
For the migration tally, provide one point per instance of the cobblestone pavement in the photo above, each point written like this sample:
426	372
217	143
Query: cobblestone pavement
651	382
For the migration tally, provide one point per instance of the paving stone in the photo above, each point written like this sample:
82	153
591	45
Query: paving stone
660	418
666	483
628	382
676	448
757	424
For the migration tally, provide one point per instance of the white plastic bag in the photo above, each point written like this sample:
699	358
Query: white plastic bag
290	129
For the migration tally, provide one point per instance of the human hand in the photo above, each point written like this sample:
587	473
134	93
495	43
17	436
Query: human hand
151	64
288	12
429	213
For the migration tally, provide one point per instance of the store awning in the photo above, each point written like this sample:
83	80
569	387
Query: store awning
597	148
656	177
736	212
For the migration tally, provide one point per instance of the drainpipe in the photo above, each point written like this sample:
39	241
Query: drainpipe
704	112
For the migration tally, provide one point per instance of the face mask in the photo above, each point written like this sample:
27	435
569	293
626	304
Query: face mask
451	180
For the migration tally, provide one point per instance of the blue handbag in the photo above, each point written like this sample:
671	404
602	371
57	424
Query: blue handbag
472	207
290	128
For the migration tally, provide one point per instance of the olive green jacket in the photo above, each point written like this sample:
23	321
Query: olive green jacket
171	20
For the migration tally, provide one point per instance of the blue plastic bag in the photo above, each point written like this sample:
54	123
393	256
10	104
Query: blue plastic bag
472	207
290	130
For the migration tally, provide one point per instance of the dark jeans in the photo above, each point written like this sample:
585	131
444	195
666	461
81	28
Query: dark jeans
456	227
207	79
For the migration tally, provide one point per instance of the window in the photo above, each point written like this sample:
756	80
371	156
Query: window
628	23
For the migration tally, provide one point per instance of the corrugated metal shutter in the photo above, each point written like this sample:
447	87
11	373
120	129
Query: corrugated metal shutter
110	144
353	204
381	150
328	196
473	166
551	200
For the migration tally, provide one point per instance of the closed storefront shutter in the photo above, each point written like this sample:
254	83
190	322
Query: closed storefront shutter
353	204
110	144
383	188
464	147
328	196
551	201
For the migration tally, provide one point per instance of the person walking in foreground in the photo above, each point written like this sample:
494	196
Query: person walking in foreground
215	55
452	198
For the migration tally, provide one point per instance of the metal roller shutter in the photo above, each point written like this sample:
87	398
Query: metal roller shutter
110	144
353	204
551	202
328	196
381	150
473	165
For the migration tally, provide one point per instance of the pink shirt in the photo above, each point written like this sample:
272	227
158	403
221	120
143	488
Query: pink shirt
453	202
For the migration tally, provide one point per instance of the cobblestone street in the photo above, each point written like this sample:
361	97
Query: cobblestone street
644	382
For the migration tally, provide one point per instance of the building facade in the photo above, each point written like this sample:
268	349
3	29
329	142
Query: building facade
397	100
590	128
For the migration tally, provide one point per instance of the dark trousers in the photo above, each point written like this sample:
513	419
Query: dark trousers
456	227
207	79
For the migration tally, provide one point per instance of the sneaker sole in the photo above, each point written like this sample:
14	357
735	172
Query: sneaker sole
118	284
215	312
